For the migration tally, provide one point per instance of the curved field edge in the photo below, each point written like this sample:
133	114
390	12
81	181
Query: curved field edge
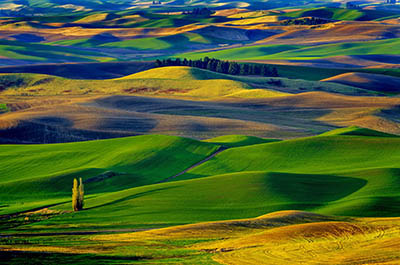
274	238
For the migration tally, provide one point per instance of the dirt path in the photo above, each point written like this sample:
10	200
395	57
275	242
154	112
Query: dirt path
222	148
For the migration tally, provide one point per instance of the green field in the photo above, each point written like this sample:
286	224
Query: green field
120	174
3	107
171	42
238	140
38	175
341	14
297	52
43	53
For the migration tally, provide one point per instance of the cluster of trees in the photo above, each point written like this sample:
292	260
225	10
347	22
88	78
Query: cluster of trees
305	21
203	12
77	195
225	67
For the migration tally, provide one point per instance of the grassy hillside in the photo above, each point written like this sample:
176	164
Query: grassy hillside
36	175
304	236
218	197
341	14
217	84
357	131
3	107
178	73
103	70
371	152
42	53
230	185
171	42
179	81
298	52
173	81
386	84
238	140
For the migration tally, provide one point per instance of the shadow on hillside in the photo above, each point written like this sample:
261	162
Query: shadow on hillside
130	197
27	37
82	70
52	130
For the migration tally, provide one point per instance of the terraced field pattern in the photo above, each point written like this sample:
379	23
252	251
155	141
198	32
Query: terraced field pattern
202	132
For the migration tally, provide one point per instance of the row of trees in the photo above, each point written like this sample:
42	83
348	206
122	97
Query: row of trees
77	195
305	21
204	12
225	67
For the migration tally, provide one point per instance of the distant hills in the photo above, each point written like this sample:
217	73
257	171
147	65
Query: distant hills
29	7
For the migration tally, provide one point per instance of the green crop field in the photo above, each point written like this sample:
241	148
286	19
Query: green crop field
340	14
40	52
238	140
3	107
296	52
228	186
31	173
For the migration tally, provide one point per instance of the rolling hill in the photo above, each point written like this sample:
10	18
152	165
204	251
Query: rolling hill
43	176
267	179
173	81
182	165
299	52
305	236
342	14
368	81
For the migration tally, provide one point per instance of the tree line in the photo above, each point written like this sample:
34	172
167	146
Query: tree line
219	66
305	21
204	12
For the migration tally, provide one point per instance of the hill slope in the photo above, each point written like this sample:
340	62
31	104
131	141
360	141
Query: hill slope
381	83
292	174
33	174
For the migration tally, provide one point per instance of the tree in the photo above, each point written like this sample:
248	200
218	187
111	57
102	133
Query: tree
169	62
275	72
77	195
219	67
265	71
251	70
233	68
158	63
244	69
81	194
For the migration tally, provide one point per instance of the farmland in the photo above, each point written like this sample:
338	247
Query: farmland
200	132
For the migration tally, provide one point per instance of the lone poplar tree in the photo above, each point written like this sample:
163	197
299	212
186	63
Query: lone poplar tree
81	194
77	195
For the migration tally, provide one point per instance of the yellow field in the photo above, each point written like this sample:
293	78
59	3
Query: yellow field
166	81
287	237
